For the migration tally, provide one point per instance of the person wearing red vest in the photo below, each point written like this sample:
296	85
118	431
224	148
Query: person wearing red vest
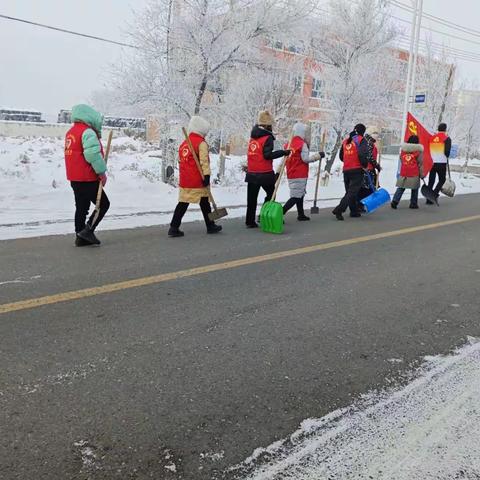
354	155
297	169
194	189
411	171
373	169
86	168
260	156
440	147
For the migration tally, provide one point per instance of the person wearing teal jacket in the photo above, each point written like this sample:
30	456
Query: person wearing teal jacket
86	168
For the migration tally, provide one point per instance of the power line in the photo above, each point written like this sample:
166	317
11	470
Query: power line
456	37
93	37
441	21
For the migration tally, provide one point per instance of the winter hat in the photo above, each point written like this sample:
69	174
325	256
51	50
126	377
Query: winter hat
265	118
442	127
360	128
299	130
198	125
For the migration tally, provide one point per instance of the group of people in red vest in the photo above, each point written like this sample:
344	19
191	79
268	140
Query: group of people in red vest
86	170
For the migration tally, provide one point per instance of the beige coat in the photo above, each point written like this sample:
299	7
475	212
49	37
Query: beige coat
194	195
412	182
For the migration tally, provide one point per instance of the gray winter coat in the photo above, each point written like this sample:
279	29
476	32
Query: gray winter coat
412	182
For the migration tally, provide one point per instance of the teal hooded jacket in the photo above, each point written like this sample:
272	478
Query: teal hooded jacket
92	149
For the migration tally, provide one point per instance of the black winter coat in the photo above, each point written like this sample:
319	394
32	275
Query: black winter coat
269	153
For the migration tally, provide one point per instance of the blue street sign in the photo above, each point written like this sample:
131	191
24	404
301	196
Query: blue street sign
420	98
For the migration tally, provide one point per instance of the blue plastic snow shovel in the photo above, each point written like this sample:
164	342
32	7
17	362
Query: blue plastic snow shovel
377	198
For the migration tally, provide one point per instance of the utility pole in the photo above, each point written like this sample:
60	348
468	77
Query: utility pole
417	41
414	38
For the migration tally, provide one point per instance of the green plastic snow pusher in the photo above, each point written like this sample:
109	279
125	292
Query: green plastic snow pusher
271	213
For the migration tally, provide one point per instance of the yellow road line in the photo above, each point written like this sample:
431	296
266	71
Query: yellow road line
191	272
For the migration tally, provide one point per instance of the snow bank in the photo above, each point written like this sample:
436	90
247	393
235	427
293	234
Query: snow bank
428	430
36	199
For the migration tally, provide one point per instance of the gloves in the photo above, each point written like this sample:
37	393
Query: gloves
103	178
276	176
206	181
322	154
287	152
378	167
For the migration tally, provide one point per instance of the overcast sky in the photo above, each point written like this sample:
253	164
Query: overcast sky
47	70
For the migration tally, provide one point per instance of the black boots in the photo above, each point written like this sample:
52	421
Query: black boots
303	218
338	214
87	236
175	232
394	205
213	228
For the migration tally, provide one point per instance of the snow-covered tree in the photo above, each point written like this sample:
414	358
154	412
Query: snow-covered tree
186	49
435	77
467	123
359	70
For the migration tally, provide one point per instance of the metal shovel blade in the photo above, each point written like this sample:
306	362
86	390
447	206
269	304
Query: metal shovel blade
314	210
217	214
429	194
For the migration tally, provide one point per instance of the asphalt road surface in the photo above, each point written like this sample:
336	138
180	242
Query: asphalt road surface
185	376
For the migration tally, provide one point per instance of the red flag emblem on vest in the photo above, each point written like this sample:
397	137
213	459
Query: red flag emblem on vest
414	127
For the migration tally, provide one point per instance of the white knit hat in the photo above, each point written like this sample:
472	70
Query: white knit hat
198	125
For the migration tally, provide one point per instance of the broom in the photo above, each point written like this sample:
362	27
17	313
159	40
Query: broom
217	212
100	186
315	209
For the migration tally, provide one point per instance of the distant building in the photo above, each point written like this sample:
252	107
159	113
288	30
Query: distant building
65	116
14	115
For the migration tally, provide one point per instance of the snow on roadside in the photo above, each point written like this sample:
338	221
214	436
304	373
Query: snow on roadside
36	199
427	430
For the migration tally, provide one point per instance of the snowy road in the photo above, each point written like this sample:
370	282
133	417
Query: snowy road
428	430
186	377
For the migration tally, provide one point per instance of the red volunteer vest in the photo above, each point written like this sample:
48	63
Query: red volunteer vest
351	160
375	156
409	166
78	169
256	162
189	174
296	167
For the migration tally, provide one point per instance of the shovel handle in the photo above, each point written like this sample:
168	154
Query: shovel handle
280	172
100	186
379	162
322	147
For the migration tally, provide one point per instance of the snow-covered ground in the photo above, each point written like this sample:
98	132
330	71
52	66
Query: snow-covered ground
428	430
36	199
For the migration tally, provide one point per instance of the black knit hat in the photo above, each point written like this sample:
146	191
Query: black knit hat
442	127
360	128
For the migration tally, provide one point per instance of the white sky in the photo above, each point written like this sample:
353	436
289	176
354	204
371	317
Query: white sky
47	70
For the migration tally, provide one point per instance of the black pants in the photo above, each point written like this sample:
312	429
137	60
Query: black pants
181	209
353	180
85	194
253	190
295	201
366	190
439	169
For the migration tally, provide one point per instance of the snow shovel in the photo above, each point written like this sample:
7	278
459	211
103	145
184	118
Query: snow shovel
271	213
428	193
376	199
100	186
315	210
217	212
